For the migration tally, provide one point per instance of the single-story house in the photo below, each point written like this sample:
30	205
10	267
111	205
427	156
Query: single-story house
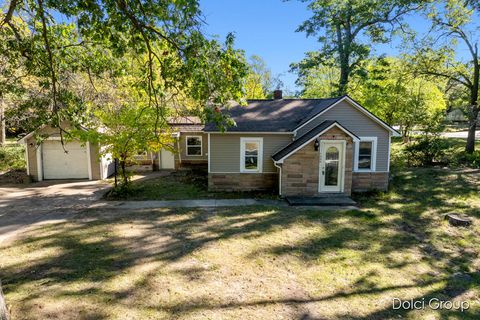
304	147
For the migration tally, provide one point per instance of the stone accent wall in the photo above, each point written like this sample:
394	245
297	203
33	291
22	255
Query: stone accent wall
242	181
365	181
300	171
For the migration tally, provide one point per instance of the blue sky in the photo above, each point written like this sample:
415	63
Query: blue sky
267	28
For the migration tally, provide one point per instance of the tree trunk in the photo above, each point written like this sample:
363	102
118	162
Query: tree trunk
4	315
2	122
123	165
472	129
473	114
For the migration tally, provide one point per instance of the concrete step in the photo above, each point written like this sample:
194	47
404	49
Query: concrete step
323	200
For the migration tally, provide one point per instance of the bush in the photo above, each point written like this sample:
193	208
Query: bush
12	157
426	151
470	159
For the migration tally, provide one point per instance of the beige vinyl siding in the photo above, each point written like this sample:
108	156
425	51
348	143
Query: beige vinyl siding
32	158
225	150
358	123
183	147
95	161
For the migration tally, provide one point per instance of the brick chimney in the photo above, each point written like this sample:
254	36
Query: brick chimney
277	94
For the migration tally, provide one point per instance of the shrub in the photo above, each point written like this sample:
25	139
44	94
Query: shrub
469	159
426	151
12	157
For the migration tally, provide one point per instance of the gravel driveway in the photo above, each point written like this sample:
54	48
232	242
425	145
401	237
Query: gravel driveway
22	206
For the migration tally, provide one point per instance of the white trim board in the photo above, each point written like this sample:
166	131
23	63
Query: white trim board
360	108
243	141
315	137
208	152
373	168
186	146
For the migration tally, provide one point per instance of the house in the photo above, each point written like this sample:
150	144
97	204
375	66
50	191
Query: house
302	147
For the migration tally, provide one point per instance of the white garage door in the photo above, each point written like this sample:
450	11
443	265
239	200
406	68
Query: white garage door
60	165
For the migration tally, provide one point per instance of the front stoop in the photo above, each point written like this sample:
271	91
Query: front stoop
323	200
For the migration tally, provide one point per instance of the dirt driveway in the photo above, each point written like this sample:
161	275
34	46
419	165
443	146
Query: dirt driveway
22	206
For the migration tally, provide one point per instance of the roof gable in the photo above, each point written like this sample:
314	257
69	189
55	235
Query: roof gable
356	105
300	142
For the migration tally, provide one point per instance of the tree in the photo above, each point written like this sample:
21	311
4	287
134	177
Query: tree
341	26
396	95
154	51
260	82
316	81
453	23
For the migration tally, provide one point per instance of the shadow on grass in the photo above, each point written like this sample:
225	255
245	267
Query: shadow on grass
88	251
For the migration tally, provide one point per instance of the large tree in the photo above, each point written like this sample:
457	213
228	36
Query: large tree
396	95
346	29
80	53
166	33
454	23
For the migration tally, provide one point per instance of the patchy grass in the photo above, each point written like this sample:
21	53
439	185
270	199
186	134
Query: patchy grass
187	184
257	262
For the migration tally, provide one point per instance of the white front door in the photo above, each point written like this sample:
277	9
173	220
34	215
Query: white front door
332	166
167	159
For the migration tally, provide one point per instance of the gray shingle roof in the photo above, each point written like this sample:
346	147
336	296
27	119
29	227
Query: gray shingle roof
281	115
292	146
186	124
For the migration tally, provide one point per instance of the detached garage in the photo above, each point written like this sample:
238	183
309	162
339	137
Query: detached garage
75	160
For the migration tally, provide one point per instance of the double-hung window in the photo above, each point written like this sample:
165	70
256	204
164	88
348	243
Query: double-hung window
251	154
365	154
194	145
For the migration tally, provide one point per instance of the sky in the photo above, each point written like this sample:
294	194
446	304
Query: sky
267	28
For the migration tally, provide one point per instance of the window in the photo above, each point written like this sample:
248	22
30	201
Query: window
251	154
194	145
365	151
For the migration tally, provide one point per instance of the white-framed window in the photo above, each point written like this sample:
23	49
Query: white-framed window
365	154
251	155
193	145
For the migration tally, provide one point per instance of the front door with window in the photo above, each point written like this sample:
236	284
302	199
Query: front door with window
332	166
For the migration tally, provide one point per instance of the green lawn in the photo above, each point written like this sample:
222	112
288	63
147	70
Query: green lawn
257	262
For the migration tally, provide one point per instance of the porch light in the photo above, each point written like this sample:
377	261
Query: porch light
316	145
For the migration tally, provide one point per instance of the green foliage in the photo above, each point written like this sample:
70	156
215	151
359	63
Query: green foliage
393	93
121	70
454	22
346	29
12	157
425	151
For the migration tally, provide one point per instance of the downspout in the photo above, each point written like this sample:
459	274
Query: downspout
279	178
178	148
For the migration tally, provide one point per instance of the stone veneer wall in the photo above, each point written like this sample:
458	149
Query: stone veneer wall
242	181
365	181
300	173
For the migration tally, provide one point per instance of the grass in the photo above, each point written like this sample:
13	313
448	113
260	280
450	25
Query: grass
188	184
257	262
